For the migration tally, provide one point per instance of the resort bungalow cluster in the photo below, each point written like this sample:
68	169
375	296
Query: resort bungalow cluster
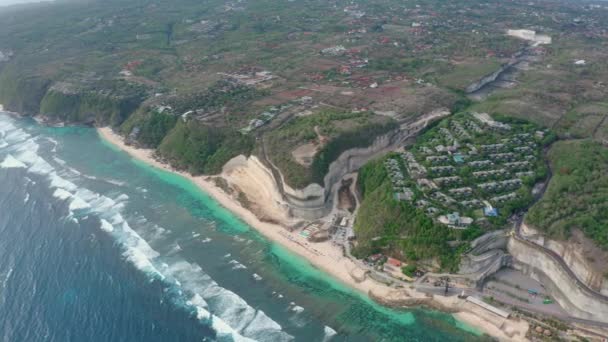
467	170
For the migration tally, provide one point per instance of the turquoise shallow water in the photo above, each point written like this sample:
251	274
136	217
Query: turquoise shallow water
188	263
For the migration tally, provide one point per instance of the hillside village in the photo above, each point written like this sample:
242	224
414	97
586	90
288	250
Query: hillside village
469	169
403	133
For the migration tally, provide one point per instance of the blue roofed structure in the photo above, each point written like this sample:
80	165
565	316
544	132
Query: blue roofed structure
490	211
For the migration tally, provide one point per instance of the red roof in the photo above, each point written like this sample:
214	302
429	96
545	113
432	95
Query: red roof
393	262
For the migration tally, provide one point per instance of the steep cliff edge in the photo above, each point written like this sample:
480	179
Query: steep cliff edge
277	201
20	93
583	257
571	294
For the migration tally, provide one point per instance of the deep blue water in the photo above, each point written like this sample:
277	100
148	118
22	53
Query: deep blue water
97	247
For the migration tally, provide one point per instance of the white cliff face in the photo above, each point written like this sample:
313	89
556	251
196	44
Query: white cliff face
530	35
578	301
255	180
284	203
587	261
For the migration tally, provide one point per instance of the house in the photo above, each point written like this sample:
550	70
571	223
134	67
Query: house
465	191
337	50
447	180
471	204
425	183
406	195
480	163
502	156
458	158
487	120
437	159
392	265
454	220
490	211
375	258
443	169
503	198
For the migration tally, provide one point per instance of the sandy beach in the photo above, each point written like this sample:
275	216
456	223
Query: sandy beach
330	258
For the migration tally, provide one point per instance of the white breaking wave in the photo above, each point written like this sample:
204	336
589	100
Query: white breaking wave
237	265
229	315
62	194
105	225
11	163
329	333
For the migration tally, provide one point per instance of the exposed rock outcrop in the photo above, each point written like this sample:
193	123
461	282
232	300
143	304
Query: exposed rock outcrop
315	201
572	295
583	257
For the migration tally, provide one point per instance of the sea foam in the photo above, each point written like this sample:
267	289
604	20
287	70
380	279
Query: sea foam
11	163
227	313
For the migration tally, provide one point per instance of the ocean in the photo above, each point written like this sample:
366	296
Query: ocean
95	246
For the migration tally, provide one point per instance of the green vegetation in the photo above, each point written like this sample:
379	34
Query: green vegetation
386	225
341	130
202	149
460	76
88	107
155	128
577	196
409	270
409	227
22	93
117	62
220	94
362	136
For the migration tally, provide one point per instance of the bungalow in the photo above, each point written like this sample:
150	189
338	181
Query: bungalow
488	186
492	147
524	174
405	195
422	203
473	126
440	196
474	203
431	210
489	173
518	165
487	120
454	220
437	159
503	198
480	163
490	211
447	180
523	149
425	183
510	183
465	191
392	265
502	156
443	169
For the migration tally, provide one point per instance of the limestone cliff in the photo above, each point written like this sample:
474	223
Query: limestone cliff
583	257
572	295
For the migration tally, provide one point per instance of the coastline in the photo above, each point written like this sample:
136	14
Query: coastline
331	260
